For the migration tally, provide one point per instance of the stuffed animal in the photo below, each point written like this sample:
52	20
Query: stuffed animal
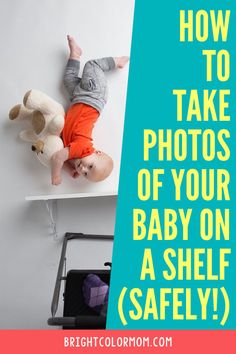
46	118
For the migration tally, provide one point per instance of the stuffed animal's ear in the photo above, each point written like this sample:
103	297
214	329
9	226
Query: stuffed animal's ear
28	135
20	112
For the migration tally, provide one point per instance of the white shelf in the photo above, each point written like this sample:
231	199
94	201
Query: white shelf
70	196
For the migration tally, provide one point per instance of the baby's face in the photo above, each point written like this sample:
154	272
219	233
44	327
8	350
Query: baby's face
94	167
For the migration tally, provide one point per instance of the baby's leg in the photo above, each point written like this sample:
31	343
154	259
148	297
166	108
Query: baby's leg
94	84
109	63
93	77
71	79
93	74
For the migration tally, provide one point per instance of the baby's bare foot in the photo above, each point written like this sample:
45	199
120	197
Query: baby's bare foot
121	62
75	50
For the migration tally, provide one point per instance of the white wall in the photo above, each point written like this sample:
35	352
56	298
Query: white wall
34	54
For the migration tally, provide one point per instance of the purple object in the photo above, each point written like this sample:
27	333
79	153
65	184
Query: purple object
95	292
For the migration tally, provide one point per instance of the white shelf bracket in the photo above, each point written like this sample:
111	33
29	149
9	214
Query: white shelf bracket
51	206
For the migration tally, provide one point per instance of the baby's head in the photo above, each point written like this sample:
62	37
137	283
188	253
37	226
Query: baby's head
95	167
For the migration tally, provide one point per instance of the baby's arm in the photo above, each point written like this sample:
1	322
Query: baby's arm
57	162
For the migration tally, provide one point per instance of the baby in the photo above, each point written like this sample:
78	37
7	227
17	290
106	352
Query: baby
88	96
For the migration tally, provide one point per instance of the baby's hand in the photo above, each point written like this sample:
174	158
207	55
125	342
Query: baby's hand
56	180
75	174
